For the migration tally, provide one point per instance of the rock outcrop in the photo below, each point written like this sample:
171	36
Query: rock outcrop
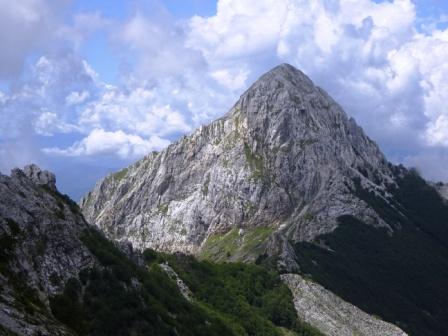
40	177
278	167
332	315
40	250
183	288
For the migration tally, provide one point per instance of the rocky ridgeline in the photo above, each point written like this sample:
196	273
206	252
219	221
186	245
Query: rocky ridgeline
278	168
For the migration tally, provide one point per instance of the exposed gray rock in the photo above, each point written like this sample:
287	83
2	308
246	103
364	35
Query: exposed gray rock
281	161
41	250
40	177
183	288
332	315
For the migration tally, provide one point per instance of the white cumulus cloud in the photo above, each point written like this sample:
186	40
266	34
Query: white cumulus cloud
101	142
48	124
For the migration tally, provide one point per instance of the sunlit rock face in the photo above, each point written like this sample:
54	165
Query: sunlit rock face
279	167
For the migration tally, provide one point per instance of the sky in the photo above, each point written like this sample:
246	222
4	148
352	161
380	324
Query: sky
89	86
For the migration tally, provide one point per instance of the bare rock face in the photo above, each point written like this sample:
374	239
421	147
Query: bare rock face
332	315
40	250
277	168
40	177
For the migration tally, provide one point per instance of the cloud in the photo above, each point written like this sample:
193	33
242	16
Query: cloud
135	110
65	96
239	28
26	26
382	62
83	25
432	162
101	142
232	80
48	124
76	97
40	101
157	46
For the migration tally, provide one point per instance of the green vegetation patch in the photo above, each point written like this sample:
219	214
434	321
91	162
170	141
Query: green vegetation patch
13	227
26	297
251	299
304	143
204	188
233	247
119	175
62	199
162	209
123	298
255	162
8	242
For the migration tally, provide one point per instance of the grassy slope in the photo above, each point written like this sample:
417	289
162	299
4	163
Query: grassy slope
230	246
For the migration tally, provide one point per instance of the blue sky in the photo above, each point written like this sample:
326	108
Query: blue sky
87	87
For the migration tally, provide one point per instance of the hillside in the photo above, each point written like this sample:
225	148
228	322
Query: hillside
60	276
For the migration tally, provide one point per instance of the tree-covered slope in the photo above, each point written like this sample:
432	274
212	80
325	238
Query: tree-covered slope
400	276
250	298
125	298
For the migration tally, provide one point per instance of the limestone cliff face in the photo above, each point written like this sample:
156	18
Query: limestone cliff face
278	167
40	250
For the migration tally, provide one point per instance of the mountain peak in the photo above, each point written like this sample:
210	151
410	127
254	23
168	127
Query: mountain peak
285	76
284	106
286	69
285	154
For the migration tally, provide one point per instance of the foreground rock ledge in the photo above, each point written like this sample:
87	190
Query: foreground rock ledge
332	315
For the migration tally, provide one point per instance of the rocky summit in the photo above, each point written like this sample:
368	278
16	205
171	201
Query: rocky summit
278	167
